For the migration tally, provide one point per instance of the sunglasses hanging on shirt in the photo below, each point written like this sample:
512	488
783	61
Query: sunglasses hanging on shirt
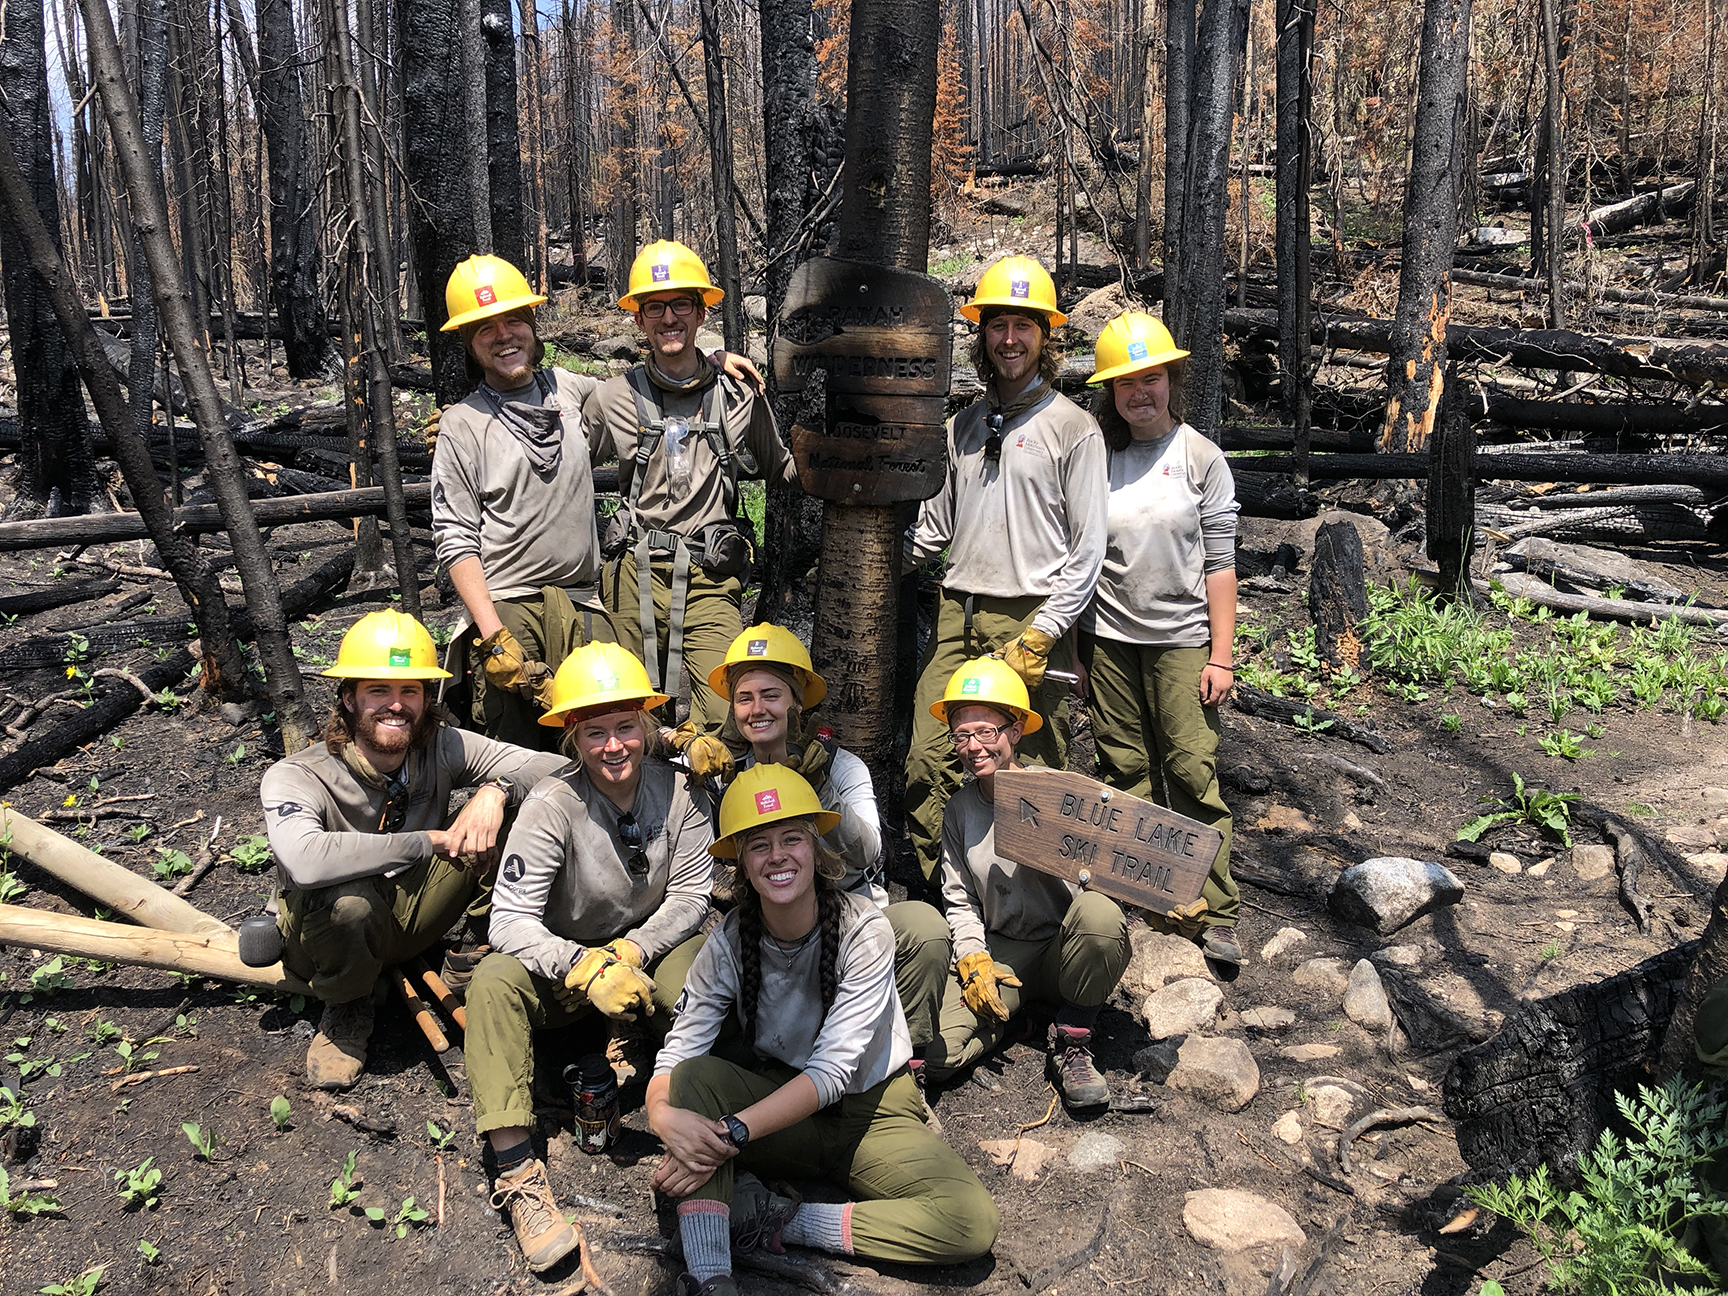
630	837
993	444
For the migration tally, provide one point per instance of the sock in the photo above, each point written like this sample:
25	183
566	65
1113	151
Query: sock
827	1226
514	1157
706	1230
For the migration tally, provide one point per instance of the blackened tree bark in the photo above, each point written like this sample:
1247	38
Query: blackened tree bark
720	167
625	116
1295	173
1178	85
476	155
503	135
1219	42
1415	373
441	219
296	211
884	218
57	476
1148	144
576	147
1451	512
1554	173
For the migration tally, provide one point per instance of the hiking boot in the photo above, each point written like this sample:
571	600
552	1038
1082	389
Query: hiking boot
542	1232
338	1052
718	1285
758	1215
1070	1065
1220	944
630	1053
459	965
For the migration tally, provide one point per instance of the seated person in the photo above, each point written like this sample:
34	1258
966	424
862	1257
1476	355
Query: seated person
598	904
1018	934
770	684
370	874
807	971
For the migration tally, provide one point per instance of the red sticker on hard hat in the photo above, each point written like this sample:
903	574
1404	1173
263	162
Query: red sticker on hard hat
768	802
660	273
1019	287
757	648
484	295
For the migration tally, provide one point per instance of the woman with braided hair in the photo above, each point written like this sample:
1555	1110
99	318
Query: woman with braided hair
821	1084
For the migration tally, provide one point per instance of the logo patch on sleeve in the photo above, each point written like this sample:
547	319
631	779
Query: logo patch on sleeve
399	657
768	802
485	295
514	869
1019	287
661	273
1137	351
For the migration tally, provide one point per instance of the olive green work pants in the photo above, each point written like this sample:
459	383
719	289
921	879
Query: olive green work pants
712	620
1080	965
339	938
932	769
923	955
507	1003
547	634
917	1201
1154	739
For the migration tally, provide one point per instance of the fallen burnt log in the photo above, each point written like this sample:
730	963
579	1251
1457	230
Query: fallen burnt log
1626	296
1615	496
1709	472
1257	702
1624	524
1539	592
44	600
1616	217
1542	1090
1653	359
1272	495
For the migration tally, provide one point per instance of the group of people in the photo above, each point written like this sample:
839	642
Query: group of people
1088	551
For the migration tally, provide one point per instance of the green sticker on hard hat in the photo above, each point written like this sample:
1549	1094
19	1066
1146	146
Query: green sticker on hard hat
972	684
1137	351
400	657
606	681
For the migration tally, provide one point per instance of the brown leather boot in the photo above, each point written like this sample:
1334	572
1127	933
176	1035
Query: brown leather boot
542	1232
338	1052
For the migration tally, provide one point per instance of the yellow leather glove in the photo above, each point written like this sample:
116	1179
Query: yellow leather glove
574	992
979	977
622	992
625	951
537	683
1028	656
817	757
706	755
1189	920
430	431
506	663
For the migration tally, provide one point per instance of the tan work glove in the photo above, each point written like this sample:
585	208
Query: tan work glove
537	683
1189	920
814	762
430	431
706	755
625	951
608	983
505	662
1028	656
979	977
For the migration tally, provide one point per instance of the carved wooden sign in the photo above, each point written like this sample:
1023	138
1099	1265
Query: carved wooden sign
882	340
1075	828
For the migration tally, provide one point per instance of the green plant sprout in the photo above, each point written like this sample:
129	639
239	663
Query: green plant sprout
140	1185
441	1139
252	854
26	1203
344	1188
203	1141
1549	811
280	1110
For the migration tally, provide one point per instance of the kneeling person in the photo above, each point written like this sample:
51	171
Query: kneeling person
371	874
599	900
1018	934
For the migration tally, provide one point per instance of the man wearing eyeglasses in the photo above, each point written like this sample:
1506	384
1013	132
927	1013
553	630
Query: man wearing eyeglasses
684	435
373	869
1022	515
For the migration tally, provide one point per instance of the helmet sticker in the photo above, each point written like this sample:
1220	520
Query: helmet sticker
1137	351
661	273
768	802
1019	287
485	295
606	681
757	648
972	685
400	657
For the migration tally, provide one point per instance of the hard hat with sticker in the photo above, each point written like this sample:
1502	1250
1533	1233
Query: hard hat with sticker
1020	288
661	273
484	295
757	648
400	657
972	685
1137	351
768	802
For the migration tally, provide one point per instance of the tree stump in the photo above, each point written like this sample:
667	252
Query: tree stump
1451	520
1542	1090
1338	595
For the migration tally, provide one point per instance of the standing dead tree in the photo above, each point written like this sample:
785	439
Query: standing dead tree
721	168
1552	172
1178	83
1416	370
1295	96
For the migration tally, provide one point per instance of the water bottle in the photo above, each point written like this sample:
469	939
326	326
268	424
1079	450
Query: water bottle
595	1090
677	457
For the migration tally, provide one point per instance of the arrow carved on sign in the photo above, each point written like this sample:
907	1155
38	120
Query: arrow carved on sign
1028	812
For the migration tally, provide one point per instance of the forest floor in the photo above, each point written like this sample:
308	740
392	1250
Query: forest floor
1086	1204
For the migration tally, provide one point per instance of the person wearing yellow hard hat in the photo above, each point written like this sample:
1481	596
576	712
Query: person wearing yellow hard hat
373	868
597	912
684	434
1020	936
513	507
819	1082
1156	644
771	684
1021	515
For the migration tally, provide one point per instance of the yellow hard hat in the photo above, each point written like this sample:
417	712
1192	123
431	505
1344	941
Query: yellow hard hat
1017	282
387	645
595	674
770	645
664	267
1131	343
484	286
988	681
765	794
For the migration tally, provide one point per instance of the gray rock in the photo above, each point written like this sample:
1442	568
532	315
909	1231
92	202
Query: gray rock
1365	1001
1268	1019
1181	1008
1329	976
1404	956
756	308
1230	1220
1287	939
1503	862
1334	1101
618	348
1159	959
235	713
1308	1052
1157	1060
1096	1151
1392	892
1006	202
1593	862
1221	1072
1288	1129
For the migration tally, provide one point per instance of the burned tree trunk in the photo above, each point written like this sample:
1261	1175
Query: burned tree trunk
1338	594
1415	372
1295	163
1148	145
1451	519
503	134
295	210
1679	1046
57	474
1553	175
576	146
1178	84
470	45
720	167
625	116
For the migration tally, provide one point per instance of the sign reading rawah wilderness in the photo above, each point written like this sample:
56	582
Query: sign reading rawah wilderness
882	340
1075	828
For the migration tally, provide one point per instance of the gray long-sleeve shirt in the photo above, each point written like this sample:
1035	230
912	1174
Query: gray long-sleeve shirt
1172	521
857	838
984	892
855	1045
1028	523
566	881
488	502
324	824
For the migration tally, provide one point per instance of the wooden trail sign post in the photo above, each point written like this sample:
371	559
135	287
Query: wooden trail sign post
882	338
1075	828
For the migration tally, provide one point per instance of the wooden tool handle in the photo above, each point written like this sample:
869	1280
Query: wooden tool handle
446	997
418	1010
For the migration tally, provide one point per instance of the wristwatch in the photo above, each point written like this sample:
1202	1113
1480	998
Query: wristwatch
505	785
737	1131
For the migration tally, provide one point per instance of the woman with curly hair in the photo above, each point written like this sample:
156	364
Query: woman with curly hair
820	1085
